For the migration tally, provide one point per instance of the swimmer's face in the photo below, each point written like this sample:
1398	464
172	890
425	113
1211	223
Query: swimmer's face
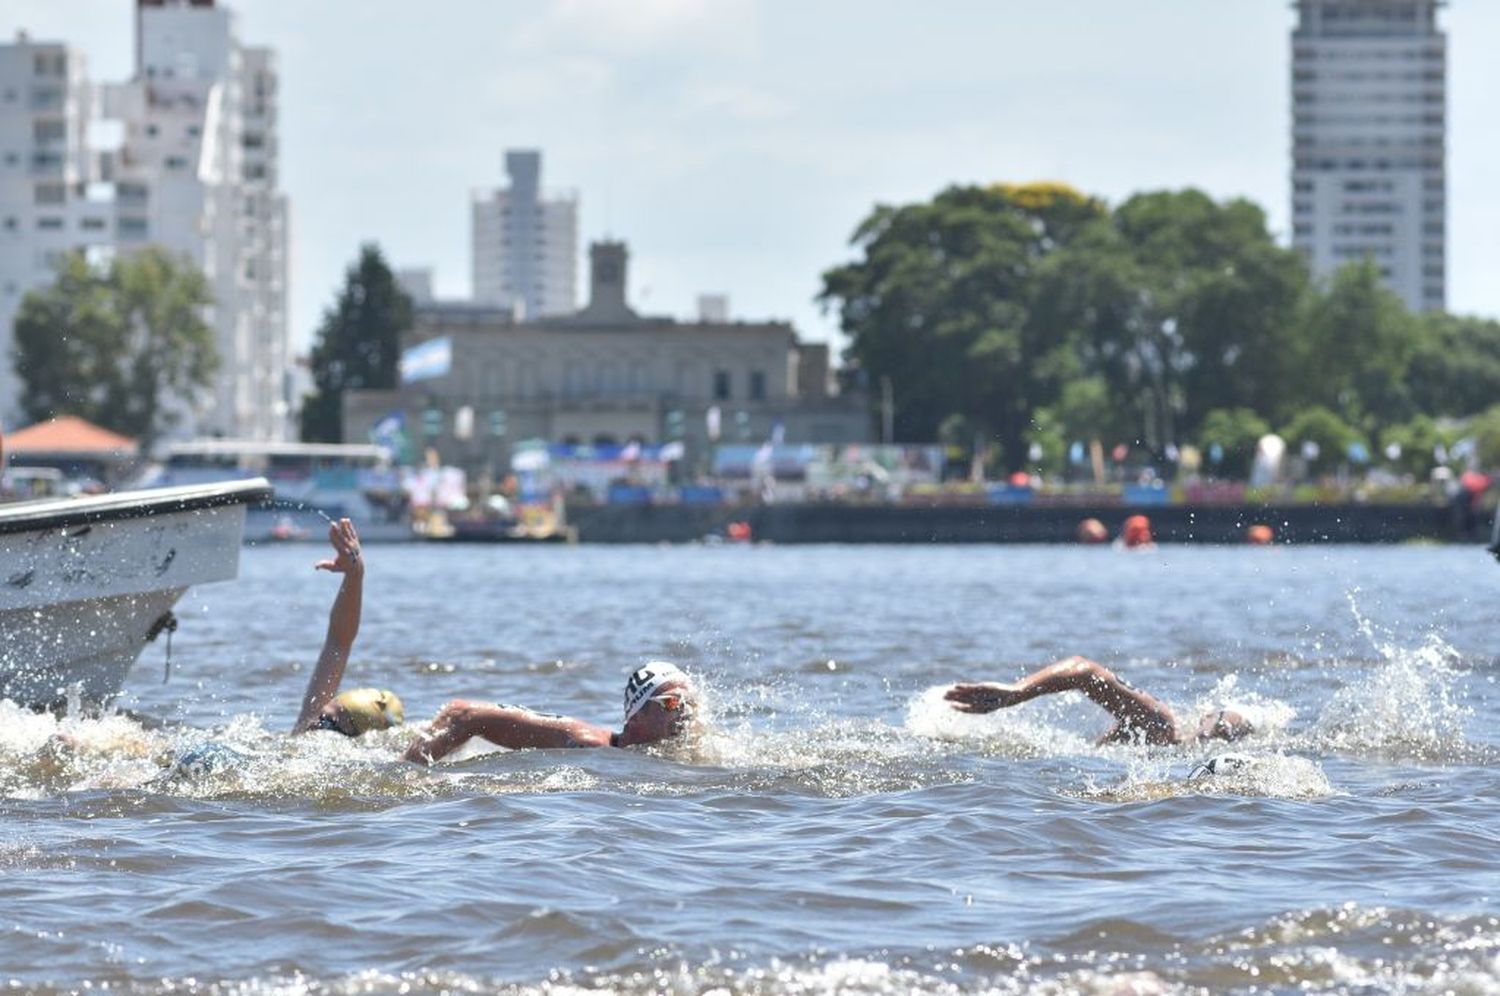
666	714
1224	724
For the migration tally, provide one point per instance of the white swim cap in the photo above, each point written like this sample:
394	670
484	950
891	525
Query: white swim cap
645	681
1221	764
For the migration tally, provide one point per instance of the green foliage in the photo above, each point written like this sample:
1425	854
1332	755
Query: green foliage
1418	440
1235	431
124	345
1455	368
941	303
1331	434
1484	428
358	344
1035	312
1357	340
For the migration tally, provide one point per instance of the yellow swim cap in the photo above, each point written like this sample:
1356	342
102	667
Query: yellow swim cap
372	709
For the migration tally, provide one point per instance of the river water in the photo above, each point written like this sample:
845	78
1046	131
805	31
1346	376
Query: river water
836	829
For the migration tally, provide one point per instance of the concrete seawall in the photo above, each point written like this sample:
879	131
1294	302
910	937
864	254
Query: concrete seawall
824	523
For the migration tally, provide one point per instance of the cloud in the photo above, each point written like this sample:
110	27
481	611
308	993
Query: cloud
641	27
735	101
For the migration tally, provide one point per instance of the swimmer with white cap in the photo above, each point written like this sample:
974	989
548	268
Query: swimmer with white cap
1139	718
660	703
358	710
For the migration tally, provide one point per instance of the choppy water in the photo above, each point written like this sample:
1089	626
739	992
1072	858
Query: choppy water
839	830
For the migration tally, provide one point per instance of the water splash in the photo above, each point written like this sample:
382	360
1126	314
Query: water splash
1406	706
1006	732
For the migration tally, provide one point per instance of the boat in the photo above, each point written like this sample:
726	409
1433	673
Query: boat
315	483
86	583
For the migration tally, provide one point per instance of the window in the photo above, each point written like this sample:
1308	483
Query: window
757	385
131	228
50	193
721	385
176	162
47	130
92	224
49	223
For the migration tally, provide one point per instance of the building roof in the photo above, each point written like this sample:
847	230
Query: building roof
69	434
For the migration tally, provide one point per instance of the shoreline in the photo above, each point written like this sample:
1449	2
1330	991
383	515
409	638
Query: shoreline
1174	524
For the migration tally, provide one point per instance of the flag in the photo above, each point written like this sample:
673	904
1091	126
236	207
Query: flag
672	451
778	433
433	358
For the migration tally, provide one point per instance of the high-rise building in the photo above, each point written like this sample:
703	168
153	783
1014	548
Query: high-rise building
525	247
45	169
183	155
1369	129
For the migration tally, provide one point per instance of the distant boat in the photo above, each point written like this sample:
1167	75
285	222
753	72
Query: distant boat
314	483
85	583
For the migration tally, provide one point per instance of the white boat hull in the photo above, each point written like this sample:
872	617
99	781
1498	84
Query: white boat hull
84	584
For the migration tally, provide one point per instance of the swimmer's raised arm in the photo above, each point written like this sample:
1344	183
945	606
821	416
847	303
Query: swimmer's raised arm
343	623
1139	716
505	726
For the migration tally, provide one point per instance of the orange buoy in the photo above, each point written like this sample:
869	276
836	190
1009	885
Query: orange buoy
1137	531
1092	531
1260	534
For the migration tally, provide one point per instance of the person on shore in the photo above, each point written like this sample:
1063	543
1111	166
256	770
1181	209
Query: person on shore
660	703
324	707
1140	719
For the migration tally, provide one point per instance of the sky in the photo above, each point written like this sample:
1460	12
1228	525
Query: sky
735	144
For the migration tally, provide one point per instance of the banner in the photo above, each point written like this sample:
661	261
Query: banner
433	358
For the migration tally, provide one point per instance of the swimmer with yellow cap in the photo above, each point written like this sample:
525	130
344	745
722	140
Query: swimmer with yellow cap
358	710
660	703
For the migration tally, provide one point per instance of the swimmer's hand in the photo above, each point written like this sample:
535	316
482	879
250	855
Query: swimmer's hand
347	558
983	696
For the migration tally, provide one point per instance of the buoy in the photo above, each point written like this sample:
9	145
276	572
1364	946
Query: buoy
739	532
1092	531
1260	534
1137	531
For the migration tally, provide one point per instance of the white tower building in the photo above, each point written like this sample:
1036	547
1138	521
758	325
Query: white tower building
45	169
1369	97
192	168
525	248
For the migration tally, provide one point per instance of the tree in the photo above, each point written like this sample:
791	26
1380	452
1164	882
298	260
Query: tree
940	304
124	345
358	344
1236	431
1356	342
1484	428
1330	435
1415	445
1185	305
1455	366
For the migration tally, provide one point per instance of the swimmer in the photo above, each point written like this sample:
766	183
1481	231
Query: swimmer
1139	718
660	702
358	710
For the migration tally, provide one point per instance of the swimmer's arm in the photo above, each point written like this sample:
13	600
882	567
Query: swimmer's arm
505	726
987	696
1134	709
343	623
